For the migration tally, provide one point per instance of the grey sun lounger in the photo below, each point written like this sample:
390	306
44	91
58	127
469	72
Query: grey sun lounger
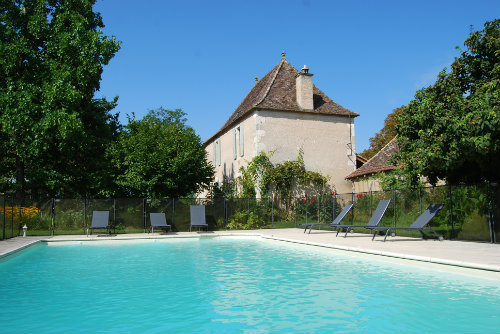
158	220
100	220
418	225
334	223
197	214
374	220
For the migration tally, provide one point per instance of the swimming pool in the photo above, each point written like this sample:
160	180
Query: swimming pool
233	285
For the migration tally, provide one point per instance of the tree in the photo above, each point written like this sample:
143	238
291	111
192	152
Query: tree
160	156
385	135
451	130
55	133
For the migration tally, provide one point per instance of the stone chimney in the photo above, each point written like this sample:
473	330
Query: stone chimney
304	89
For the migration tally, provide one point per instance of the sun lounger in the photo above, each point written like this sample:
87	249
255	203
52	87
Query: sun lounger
374	220
197	214
334	223
100	220
418	225
158	220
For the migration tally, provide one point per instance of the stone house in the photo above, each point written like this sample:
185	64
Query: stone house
283	113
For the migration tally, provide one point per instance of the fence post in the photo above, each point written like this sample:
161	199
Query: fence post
371	202
225	213
40	215
52	215
334	206
307	210
491	211
20	222
248	211
272	211
12	218
144	214
393	207
451	213
295	212
420	198
84	215
114	215
319	209
173	211
353	208
3	226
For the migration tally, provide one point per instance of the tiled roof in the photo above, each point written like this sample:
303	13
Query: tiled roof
276	91
379	162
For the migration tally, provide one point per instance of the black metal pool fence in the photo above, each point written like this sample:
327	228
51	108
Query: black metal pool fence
469	212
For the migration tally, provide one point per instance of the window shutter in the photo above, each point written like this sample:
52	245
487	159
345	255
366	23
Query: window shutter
218	152
241	141
214	153
234	145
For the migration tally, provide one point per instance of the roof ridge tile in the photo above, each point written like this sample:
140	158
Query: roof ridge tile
270	83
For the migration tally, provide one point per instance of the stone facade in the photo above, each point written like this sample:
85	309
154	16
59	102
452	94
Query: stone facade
233	149
278	115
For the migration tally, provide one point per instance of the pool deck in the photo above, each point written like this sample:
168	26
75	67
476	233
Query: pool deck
473	255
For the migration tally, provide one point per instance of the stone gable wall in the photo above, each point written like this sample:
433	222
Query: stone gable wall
325	140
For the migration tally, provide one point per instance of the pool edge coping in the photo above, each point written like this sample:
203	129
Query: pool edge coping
12	252
444	262
114	238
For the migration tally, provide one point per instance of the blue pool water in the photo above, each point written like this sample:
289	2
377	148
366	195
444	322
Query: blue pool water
220	285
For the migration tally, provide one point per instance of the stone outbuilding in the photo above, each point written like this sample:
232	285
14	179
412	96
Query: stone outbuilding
365	178
283	113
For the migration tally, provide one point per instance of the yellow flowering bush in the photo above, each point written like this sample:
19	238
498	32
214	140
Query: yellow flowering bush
17	212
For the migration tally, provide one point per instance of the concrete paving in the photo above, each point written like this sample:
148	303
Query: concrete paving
13	245
474	255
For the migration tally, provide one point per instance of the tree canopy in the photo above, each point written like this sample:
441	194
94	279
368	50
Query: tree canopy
385	135
160	156
54	133
451	130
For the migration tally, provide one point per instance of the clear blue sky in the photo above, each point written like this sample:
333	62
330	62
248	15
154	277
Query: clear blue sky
202	56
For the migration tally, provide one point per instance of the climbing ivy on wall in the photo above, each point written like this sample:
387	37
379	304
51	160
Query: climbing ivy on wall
283	179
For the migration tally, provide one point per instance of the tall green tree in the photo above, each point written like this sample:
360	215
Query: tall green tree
451	130
385	135
160	156
55	133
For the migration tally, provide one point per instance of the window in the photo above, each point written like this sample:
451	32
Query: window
235	154
240	130
218	152
214	153
238	137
